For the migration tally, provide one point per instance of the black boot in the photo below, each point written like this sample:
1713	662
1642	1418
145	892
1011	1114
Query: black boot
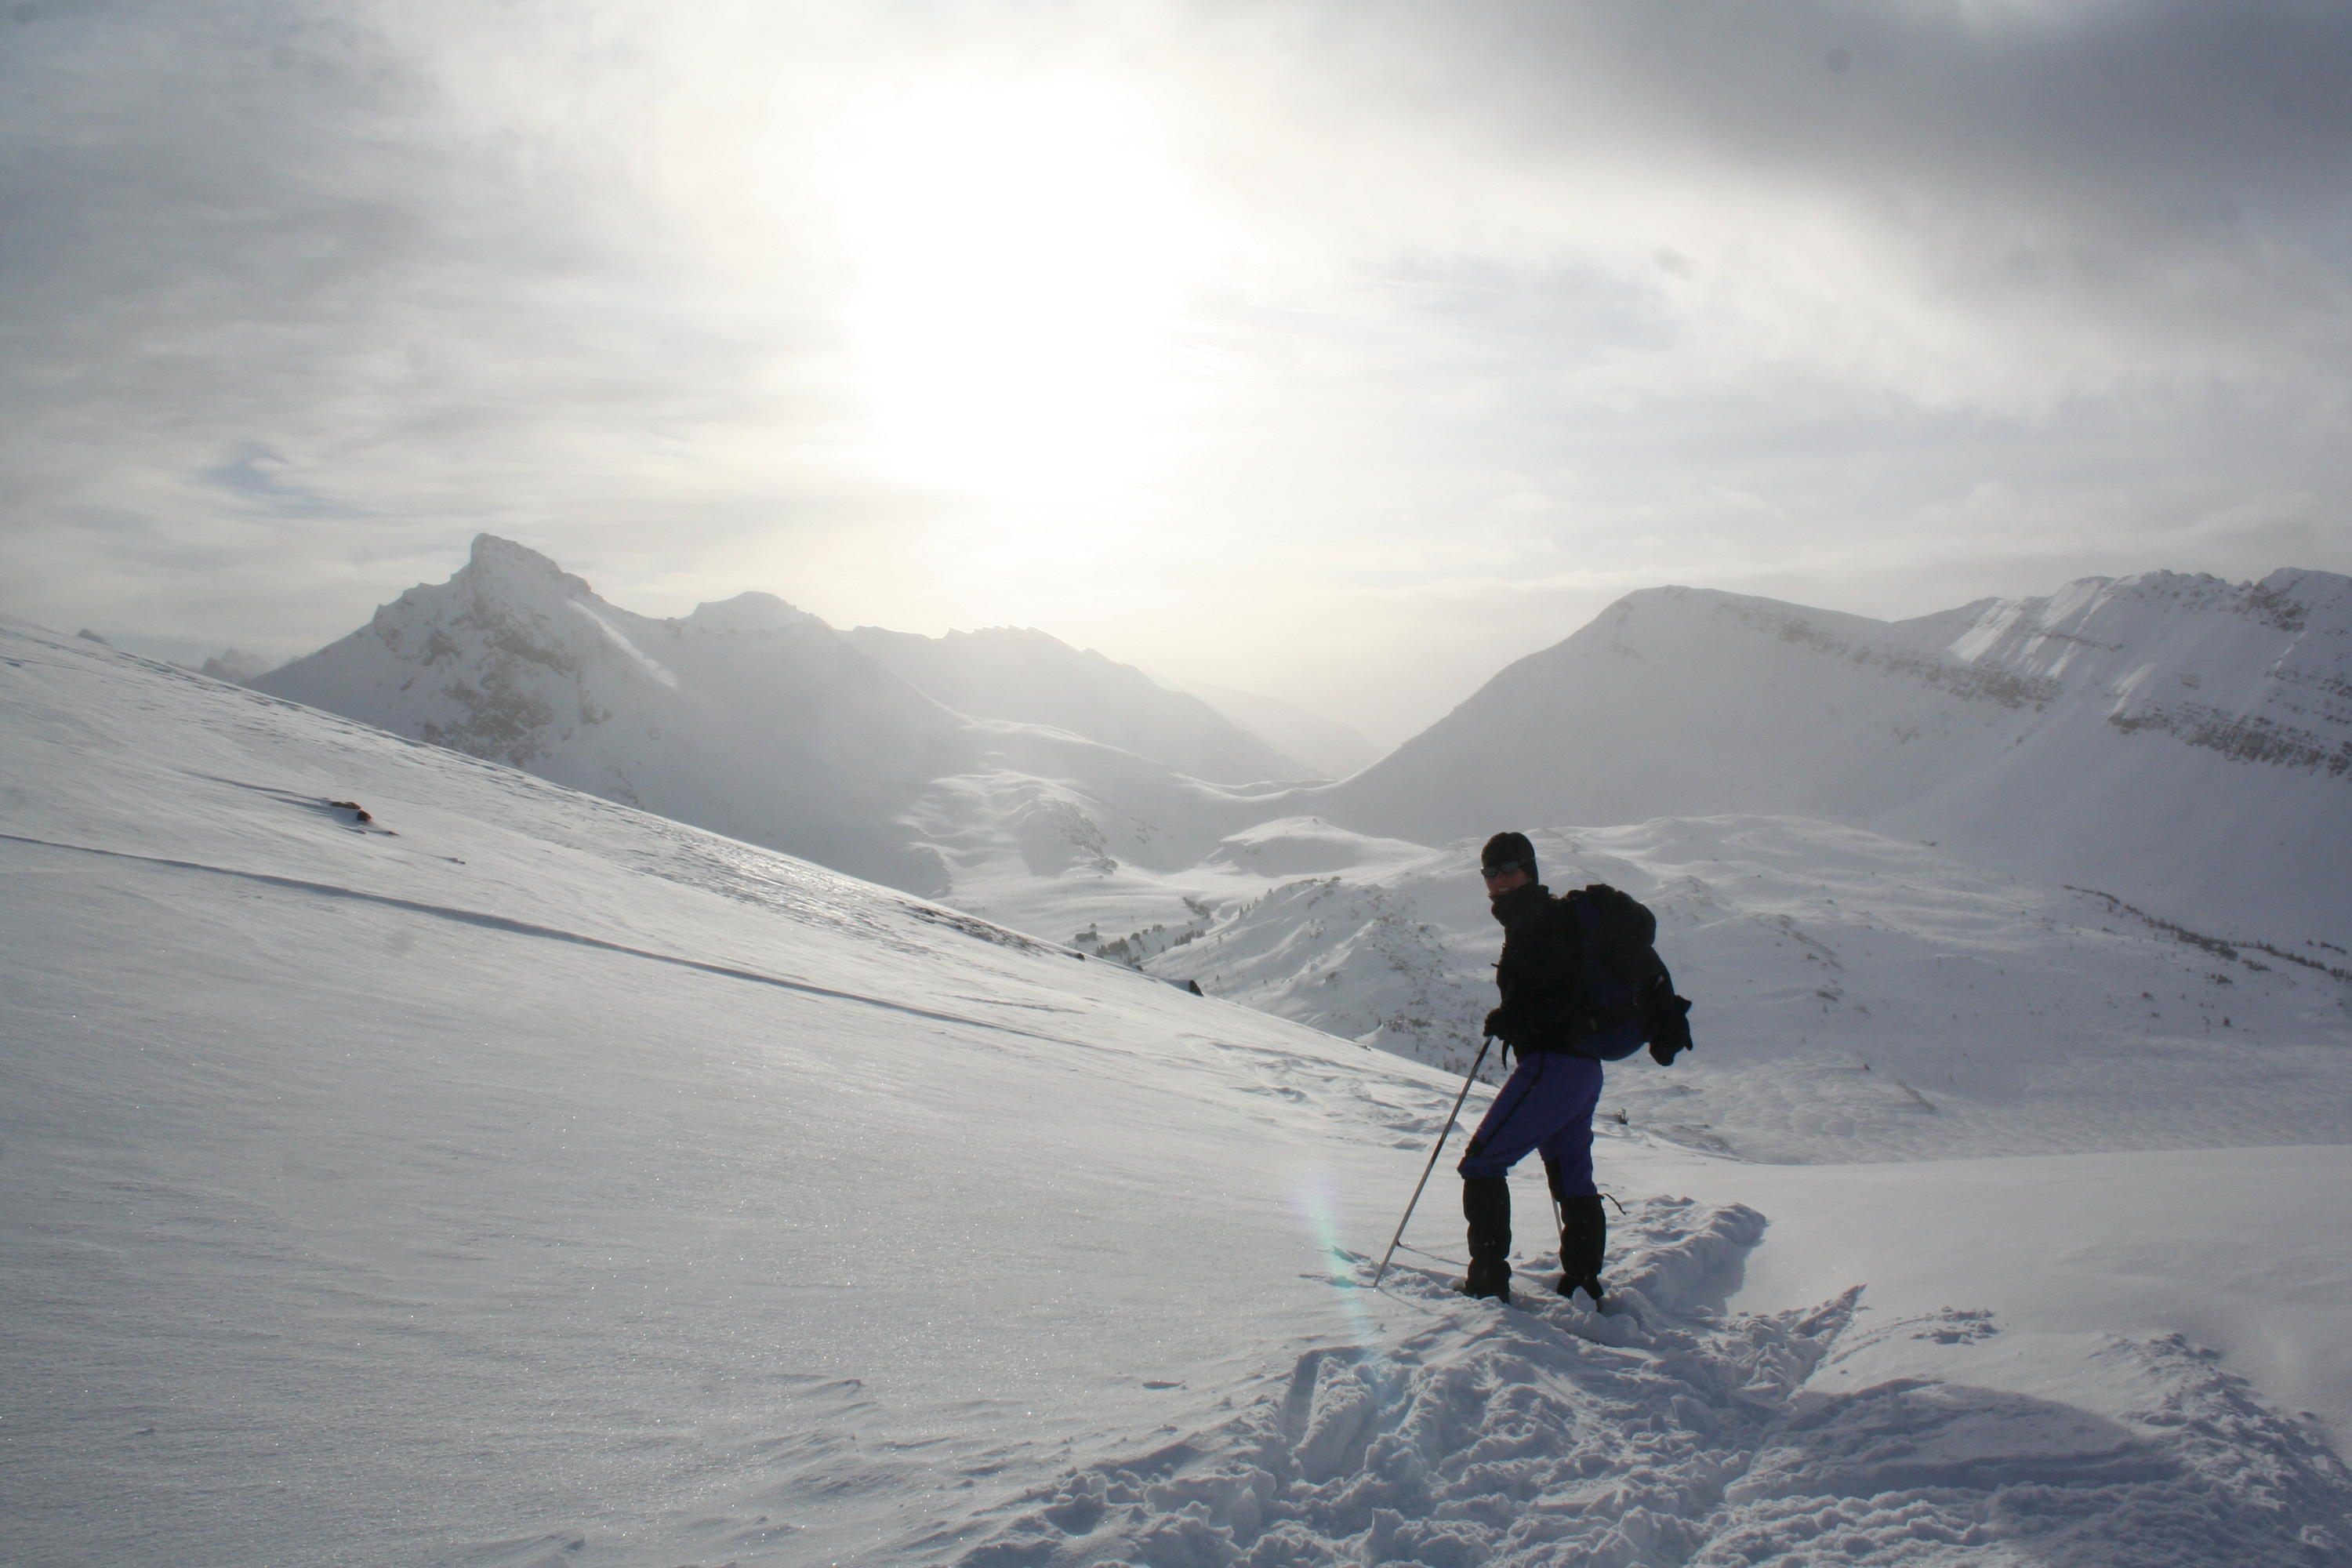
1487	1204
1583	1239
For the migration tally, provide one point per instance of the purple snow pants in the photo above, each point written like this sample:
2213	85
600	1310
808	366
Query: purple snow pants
1546	1103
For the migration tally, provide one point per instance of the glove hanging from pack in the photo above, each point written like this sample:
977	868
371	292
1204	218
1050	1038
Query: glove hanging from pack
1669	1025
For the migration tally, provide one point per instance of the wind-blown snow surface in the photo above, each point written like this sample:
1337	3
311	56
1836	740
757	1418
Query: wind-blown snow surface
515	1178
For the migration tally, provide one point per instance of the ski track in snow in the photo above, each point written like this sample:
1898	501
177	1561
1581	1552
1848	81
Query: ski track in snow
1667	1431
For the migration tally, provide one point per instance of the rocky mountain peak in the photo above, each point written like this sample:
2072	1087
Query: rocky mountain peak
496	565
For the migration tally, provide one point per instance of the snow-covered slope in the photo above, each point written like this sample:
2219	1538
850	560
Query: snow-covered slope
508	1178
1025	676
516	1178
2183	741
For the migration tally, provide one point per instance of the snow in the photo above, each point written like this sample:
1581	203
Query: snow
523	1166
1677	1429
905	759
2180	743
2183	742
516	1177
1859	997
1024	676
2108	1257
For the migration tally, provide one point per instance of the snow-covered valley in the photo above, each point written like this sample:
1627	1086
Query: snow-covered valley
515	1177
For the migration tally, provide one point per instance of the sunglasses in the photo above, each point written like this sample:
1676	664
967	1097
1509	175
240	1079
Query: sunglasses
1503	869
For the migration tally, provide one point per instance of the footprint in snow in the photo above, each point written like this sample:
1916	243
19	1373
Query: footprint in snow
1668	1430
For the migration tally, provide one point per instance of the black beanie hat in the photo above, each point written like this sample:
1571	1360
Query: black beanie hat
1509	849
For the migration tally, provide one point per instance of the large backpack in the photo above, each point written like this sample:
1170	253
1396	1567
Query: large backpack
1625	985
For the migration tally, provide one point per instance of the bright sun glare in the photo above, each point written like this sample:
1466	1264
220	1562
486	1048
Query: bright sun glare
1023	252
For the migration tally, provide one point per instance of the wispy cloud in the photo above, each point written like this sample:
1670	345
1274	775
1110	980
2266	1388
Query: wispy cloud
1509	307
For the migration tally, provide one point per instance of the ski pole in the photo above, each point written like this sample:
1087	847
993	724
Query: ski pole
1467	1080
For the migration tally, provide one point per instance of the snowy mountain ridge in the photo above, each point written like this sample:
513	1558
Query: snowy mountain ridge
517	661
2168	745
2180	739
757	719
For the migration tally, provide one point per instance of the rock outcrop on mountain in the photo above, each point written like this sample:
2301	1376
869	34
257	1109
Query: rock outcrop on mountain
235	665
2176	738
1024	675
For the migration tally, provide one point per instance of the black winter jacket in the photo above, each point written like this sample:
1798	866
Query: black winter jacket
1560	988
1538	974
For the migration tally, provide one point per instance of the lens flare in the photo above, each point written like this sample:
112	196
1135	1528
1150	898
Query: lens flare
1310	1200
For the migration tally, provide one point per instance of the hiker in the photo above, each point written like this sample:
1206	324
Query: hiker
1565	1013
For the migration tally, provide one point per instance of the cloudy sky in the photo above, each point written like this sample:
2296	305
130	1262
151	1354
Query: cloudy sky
1338	351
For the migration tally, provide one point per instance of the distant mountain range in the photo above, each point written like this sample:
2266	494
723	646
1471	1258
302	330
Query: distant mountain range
875	753
2182	743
